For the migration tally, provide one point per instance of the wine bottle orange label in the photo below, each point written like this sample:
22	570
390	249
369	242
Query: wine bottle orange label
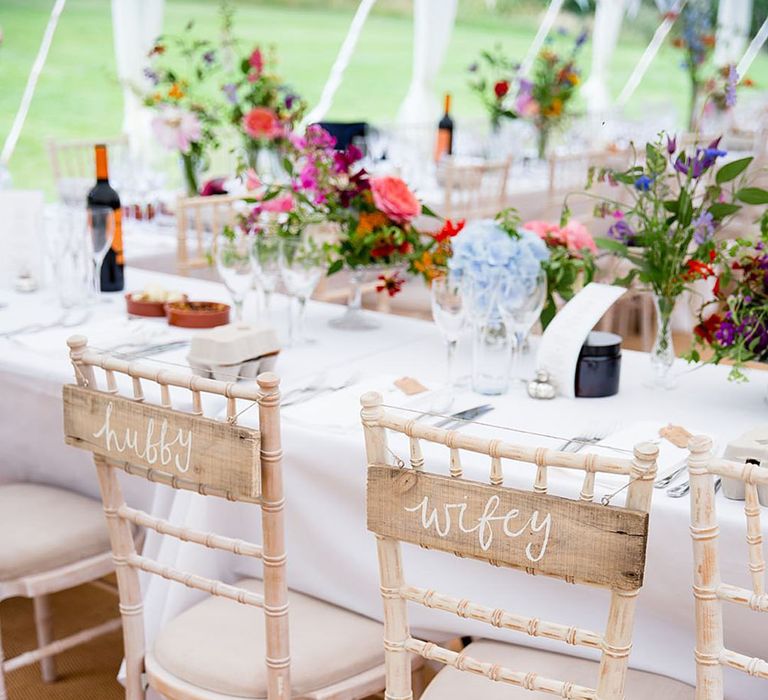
117	236
443	144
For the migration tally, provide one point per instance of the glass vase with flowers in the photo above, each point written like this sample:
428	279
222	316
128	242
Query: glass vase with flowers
670	205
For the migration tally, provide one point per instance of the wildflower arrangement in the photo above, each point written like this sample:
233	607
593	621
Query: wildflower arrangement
721	88
695	36
491	78
734	324
545	97
375	215
665	225
260	106
433	260
182	74
571	261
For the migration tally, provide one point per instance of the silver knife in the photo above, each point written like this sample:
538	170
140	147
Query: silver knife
466	414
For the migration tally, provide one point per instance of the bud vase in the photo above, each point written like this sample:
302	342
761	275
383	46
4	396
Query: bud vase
491	356
192	167
663	351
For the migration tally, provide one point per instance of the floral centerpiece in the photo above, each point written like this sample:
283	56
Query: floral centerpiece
181	74
696	37
571	262
544	99
673	204
263	109
733	325
492	77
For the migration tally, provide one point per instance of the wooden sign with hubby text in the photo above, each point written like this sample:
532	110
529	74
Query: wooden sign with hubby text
548	535
221	456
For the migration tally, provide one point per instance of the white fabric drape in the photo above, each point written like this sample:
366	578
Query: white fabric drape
550	16
605	35
734	18
136	25
432	26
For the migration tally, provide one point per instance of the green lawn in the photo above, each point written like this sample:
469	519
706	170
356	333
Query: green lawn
78	95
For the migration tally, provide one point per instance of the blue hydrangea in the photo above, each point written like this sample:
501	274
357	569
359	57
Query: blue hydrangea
483	251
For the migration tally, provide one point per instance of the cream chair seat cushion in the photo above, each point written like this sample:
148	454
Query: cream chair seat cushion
44	527
451	684
220	645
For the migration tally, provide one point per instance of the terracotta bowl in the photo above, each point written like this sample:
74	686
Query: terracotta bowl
137	307
197	314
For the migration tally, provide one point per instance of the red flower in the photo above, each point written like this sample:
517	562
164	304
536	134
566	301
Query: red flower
404	248
449	230
706	329
383	250
501	88
391	285
699	270
256	61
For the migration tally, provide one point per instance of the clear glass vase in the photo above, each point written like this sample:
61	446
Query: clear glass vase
663	351
265	162
192	168
491	356
354	318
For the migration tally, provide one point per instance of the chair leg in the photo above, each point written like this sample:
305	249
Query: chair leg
3	693
44	629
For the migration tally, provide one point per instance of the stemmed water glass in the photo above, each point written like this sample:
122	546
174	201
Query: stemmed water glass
449	311
302	264
265	256
521	299
233	261
101	229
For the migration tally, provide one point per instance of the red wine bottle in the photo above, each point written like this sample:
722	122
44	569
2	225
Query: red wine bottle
444	145
103	195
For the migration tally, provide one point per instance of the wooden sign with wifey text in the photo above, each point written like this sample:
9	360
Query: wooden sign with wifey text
575	540
221	456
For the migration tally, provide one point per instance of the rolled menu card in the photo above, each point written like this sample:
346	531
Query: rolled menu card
561	343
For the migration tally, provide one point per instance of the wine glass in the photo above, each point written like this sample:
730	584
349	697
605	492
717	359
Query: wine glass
68	251
265	256
302	264
449	311
521	299
101	227
233	261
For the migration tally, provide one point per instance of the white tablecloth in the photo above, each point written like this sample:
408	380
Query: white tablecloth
331	555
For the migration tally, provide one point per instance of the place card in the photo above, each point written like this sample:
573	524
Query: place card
559	348
410	386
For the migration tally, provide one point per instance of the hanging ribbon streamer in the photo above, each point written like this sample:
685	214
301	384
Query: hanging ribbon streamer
649	54
546	26
340	64
18	123
753	49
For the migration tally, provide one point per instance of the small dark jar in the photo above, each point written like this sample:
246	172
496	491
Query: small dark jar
599	366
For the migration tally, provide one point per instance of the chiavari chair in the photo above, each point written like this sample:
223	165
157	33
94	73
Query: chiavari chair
202	219
474	190
709	590
576	540
236	642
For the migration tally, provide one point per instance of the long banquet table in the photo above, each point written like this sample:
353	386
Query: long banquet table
331	555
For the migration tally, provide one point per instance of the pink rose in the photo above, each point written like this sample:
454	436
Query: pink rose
578	238
278	205
393	198
526	106
252	181
262	123
256	61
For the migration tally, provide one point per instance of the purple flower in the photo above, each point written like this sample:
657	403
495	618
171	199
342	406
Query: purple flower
703	228
150	75
726	333
581	39
526	87
671	144
730	86
643	183
344	160
473	67
230	90
683	164
209	57
290	98
621	231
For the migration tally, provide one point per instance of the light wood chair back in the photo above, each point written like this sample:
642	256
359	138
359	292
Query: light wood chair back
576	540
568	171
183	449
72	163
201	219
709	591
474	191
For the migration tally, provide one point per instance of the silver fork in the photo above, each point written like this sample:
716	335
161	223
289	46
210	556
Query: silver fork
665	481
680	490
578	442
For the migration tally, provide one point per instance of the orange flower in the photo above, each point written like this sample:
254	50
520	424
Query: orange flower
370	221
555	109
175	92
708	40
